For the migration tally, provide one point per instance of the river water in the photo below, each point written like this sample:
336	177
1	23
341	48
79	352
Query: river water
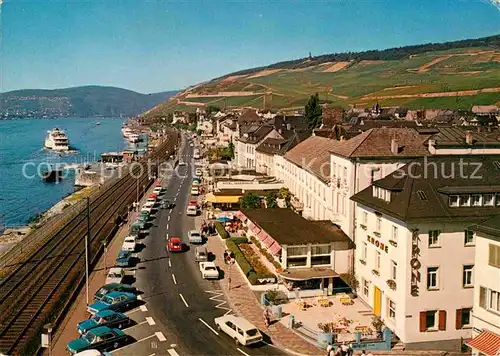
21	145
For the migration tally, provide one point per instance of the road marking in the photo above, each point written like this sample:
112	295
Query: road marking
175	198
208	326
167	235
139	297
150	321
184	300
169	263
152	355
244	353
172	352
142	322
170	212
168	226
160	336
173	277
217	298
168	218
143	308
124	347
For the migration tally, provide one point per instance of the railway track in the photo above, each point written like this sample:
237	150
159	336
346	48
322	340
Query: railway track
29	294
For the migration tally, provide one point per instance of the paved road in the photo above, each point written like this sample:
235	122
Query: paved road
179	301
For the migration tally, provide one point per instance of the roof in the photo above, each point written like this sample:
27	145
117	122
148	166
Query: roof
490	227
420	191
303	274
377	143
455	137
485	109
363	125
487	342
115	269
282	145
249	116
257	135
289	228
313	155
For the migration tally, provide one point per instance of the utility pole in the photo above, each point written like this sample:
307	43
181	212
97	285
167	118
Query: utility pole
87	252
137	194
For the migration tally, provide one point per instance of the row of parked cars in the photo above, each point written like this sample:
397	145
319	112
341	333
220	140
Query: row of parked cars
103	331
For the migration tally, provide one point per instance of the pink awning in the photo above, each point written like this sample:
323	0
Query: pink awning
275	248
241	216
262	235
269	241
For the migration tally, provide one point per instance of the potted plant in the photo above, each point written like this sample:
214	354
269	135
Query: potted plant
378	324
272	296
391	283
325	336
350	279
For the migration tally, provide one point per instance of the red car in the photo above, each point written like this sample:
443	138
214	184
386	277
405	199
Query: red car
193	202
174	244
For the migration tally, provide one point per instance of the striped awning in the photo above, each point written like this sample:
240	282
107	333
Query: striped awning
275	248
487	343
269	241
262	235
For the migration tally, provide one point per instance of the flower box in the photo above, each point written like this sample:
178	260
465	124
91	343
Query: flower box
375	272
391	283
363	262
393	243
363	226
376	233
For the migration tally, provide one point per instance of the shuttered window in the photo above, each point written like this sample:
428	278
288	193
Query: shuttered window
458	319
442	320
494	256
482	297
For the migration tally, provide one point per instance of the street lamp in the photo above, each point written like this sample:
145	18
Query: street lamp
105	250
87	252
47	338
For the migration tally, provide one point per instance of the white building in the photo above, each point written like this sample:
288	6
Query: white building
246	145
408	226
486	307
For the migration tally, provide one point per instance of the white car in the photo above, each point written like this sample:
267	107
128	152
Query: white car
182	163
241	330
129	244
115	275
192	210
191	144
194	237
157	190
148	206
198	172
194	190
209	270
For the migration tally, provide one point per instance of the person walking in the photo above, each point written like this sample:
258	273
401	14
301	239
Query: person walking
267	318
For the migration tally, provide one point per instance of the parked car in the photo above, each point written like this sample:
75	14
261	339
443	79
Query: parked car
115	275
194	190
148	207
209	270
130	243
182	163
92	352
144	217
199	172
201	254
101	338
192	210
174	244
241	330
157	190
194	237
113	301
125	259
113	287
108	318
167	204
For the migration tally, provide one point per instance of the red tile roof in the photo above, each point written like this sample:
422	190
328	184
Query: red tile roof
487	342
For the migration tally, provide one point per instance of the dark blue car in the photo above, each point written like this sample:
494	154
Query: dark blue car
107	318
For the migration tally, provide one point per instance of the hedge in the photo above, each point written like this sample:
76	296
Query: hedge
239	240
221	230
240	258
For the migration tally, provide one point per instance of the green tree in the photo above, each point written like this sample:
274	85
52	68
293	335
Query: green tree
211	109
250	201
313	112
271	199
285	194
231	148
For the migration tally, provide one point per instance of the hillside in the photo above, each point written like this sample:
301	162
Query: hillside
86	101
447	75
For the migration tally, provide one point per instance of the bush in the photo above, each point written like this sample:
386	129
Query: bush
239	240
240	258
221	230
253	278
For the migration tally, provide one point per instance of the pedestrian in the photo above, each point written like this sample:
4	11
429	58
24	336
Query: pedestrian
329	351
267	319
350	350
363	353
344	349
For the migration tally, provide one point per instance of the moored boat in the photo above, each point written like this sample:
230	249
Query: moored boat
57	140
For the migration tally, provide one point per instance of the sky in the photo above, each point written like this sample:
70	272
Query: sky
151	46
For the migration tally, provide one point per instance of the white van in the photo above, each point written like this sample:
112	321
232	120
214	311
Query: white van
194	190
241	330
192	210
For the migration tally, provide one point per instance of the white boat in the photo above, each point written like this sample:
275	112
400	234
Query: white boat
126	132
57	140
133	138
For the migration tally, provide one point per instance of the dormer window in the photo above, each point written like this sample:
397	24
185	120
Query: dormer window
453	201
476	200
464	200
382	193
489	199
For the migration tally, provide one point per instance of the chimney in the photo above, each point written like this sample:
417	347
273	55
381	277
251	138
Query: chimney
288	126
394	146
468	138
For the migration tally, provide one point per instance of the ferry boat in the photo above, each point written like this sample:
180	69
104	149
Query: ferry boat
57	140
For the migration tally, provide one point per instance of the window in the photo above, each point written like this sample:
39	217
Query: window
296	250
434	238
297	261
344	204
394	233
381	193
320	250
366	287
477	200
430	319
378	226
453	200
469	238
494	301
467	276
334	170
464	200
320	260
432	278
489	199
375	191
364	251
345	174
391	309
377	260
497	199
365	218
394	269
494	256
483	293
463	317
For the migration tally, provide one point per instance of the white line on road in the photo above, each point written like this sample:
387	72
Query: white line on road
184	300
139	297
167	235
170	212
172	352
169	263
173	277
124	347
168	226
168	218
175	199
160	336
152	355
208	326
150	320
244	353
143	308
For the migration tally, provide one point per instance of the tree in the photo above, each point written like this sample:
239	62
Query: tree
211	109
271	199
313	112
285	194
250	201
231	148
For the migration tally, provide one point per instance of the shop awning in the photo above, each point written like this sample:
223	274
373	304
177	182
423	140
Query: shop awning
304	274
269	241
262	236
275	248
227	199
487	343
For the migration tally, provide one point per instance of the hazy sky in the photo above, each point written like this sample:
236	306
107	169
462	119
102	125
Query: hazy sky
151	46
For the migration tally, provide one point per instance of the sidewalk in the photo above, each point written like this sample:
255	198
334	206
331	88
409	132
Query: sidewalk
244	303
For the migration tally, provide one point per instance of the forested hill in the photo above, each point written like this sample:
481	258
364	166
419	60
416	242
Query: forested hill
397	53
85	101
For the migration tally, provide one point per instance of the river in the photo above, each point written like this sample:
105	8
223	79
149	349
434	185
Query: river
21	145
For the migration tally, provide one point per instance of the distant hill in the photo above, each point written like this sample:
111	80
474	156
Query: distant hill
452	75
85	101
